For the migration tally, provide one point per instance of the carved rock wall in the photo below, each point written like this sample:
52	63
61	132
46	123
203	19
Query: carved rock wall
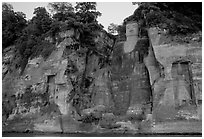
44	94
46	90
181	85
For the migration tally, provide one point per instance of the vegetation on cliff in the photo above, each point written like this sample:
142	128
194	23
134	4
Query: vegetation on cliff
12	25
29	36
177	18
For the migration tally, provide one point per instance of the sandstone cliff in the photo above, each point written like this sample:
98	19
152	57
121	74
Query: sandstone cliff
72	87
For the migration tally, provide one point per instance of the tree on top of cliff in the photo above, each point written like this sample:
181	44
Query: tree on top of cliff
113	28
86	11
176	17
7	7
12	25
60	7
29	45
86	15
61	11
41	20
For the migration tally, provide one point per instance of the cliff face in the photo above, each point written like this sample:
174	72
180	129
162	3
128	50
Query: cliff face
181	58
53	87
71	85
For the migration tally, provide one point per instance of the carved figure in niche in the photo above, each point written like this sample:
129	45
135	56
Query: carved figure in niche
182	83
51	86
101	93
131	86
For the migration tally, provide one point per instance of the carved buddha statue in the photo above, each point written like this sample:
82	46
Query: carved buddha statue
130	86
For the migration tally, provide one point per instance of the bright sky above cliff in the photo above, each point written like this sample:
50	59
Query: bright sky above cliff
112	12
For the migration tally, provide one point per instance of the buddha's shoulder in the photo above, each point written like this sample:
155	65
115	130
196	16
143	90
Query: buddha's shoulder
119	46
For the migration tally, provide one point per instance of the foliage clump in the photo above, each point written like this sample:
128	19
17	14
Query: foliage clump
175	17
12	25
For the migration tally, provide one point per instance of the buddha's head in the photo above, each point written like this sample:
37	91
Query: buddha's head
132	28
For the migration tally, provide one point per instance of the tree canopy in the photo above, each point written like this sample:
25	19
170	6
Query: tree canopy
61	11
113	28
12	24
87	12
176	17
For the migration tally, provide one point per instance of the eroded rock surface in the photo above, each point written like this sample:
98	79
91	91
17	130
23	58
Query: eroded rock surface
74	90
178	88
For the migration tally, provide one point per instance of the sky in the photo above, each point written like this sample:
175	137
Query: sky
112	12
